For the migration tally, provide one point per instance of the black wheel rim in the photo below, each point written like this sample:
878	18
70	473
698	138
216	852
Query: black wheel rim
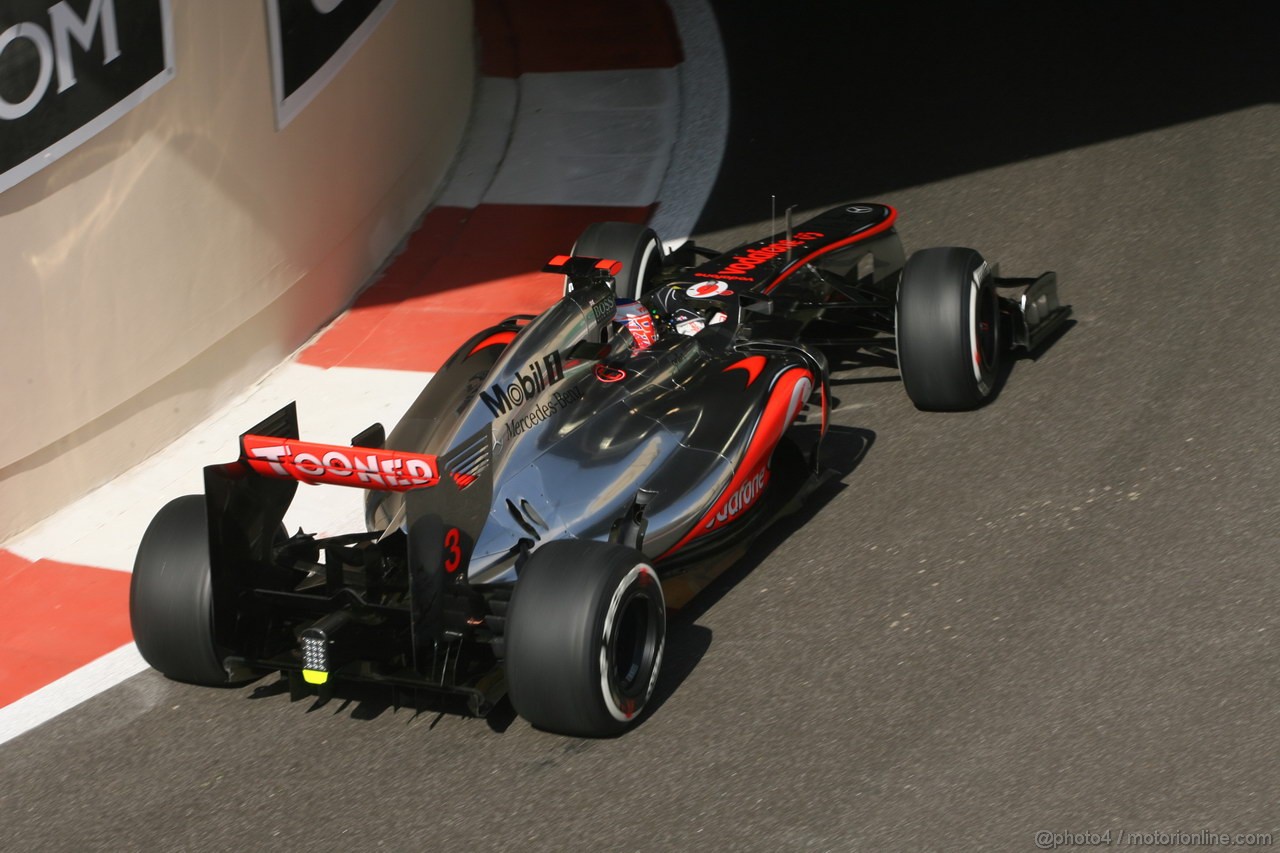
633	648
986	335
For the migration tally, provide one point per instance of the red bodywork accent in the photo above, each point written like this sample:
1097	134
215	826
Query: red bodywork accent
826	409
707	289
361	467
878	228
463	480
559	262
496	338
453	553
779	412
752	364
609	374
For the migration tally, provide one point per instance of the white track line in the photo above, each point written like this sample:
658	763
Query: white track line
488	134
704	123
589	138
70	690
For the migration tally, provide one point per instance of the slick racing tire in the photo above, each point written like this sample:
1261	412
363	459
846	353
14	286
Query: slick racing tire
637	247
948	330
171	595
584	638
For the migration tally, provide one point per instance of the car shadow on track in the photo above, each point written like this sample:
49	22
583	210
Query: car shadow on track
844	448
362	701
1011	359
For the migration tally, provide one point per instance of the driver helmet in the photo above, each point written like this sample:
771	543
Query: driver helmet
638	321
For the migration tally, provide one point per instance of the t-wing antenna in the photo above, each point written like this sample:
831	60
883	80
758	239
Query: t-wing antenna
584	271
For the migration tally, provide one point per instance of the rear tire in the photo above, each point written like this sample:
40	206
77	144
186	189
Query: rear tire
948	330
171	595
636	246
584	638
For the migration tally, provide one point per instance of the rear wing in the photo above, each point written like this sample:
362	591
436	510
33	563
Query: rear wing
248	498
443	505
253	493
361	467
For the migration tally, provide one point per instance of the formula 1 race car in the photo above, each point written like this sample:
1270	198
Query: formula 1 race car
565	478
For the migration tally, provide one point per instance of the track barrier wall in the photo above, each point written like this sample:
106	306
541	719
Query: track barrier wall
162	265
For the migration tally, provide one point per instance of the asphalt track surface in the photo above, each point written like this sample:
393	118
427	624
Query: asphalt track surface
1057	613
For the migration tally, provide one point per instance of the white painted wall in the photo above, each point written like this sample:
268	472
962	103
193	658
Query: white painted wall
161	267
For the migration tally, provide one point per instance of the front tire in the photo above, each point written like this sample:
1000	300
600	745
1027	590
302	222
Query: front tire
948	330
636	246
584	638
171	595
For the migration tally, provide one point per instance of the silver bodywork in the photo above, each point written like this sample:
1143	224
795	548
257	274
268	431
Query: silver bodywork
569	458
